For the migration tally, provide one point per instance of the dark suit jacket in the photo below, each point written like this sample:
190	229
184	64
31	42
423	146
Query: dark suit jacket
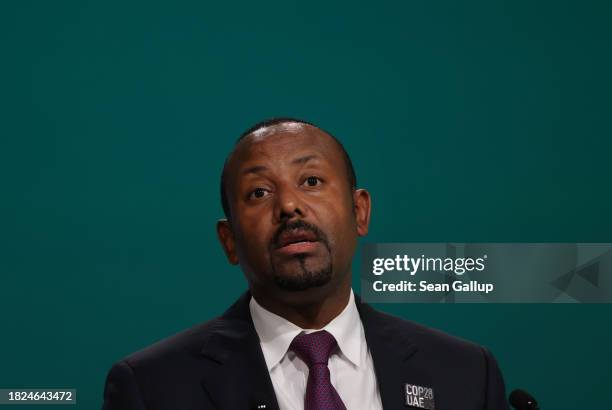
220	365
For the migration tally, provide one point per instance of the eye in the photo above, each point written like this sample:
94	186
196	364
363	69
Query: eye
258	193
313	181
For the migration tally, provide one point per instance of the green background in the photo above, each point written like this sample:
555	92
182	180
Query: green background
467	121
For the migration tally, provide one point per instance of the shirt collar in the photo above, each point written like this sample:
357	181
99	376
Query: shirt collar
276	333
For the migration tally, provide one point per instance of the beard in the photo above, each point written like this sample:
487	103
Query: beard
302	271
302	278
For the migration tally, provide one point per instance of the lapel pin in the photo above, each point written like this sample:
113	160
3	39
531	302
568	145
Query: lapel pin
419	397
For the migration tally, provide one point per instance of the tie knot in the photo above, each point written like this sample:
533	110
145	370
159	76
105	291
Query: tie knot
314	348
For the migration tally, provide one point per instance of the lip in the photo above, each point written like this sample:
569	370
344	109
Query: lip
295	248
289	237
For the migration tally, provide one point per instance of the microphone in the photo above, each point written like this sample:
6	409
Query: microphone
521	400
258	402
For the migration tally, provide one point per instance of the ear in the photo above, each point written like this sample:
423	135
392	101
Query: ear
363	206
226	237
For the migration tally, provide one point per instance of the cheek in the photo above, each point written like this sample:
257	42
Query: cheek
252	239
339	223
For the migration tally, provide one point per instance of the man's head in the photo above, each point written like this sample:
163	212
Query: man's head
293	211
268	124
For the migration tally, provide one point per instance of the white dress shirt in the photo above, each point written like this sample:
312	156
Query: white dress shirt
351	367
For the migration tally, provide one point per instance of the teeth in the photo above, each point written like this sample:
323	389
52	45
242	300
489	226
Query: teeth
300	241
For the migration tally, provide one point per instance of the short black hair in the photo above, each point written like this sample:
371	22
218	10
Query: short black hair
350	171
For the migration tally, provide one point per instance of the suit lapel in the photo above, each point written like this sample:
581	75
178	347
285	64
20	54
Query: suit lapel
235	375
393	356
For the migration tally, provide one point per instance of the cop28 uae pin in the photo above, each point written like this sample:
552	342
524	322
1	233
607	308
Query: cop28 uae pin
419	397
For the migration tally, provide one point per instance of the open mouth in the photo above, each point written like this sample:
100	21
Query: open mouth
297	248
297	241
293	237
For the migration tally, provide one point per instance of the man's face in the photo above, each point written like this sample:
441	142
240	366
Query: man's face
294	224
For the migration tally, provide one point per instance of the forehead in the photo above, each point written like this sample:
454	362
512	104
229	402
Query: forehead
281	143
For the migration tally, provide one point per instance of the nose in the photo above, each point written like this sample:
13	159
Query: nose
288	203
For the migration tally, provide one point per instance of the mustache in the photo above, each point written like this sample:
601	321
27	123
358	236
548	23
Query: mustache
301	225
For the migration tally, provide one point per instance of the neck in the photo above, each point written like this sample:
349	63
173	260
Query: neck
310	309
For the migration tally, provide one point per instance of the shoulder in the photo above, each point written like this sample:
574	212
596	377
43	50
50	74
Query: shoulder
188	344
175	350
185	344
432	356
157	375
431	342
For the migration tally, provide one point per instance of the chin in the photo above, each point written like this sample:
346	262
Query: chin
303	281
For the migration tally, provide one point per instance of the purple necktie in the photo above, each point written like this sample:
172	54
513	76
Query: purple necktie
314	349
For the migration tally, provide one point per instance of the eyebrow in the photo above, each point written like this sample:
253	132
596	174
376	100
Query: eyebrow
259	168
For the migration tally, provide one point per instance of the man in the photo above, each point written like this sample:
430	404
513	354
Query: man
299	338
